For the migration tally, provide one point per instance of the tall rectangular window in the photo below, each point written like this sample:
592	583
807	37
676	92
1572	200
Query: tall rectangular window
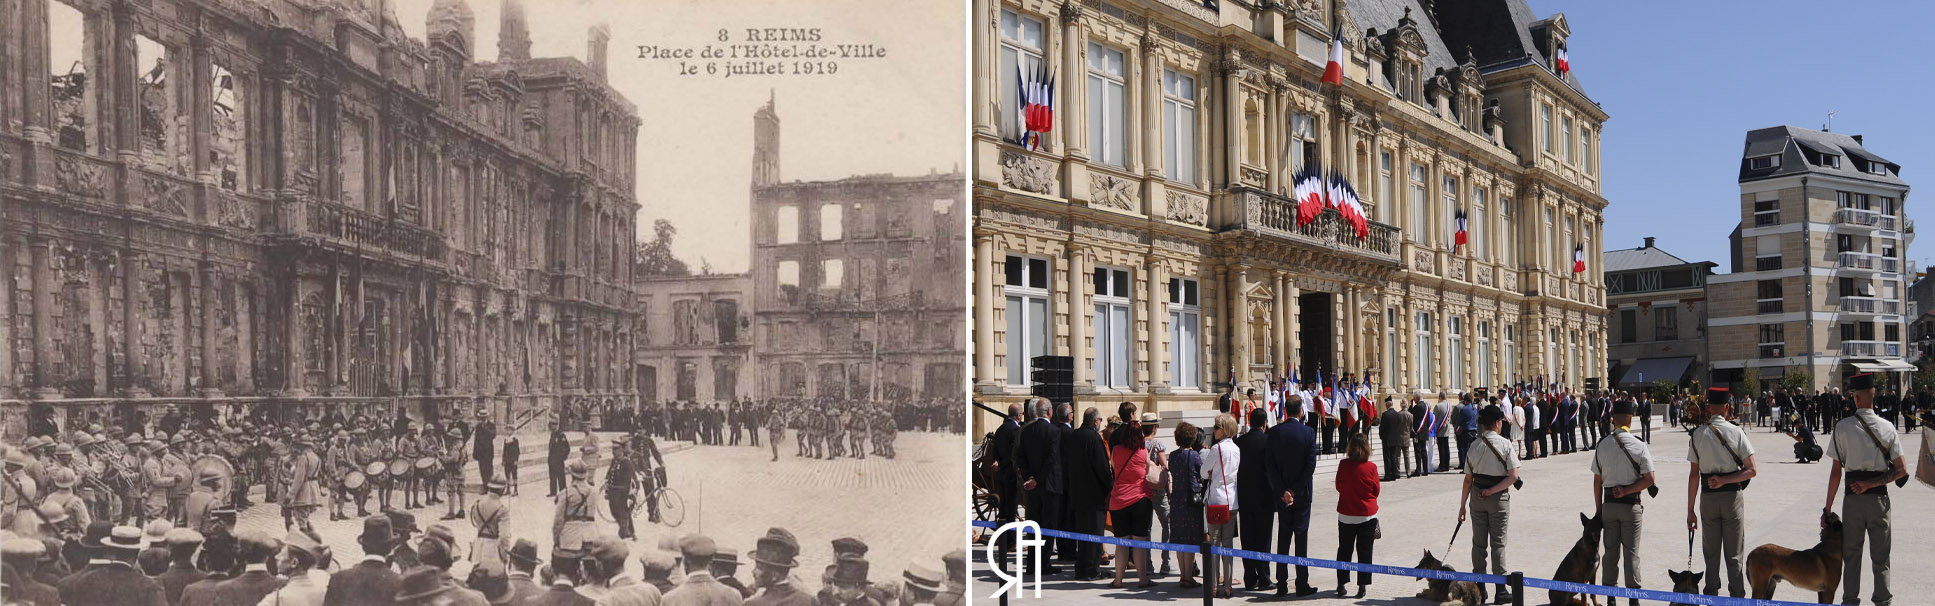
1565	124
1628	325
1484	353
1585	151
1111	329
74	91
227	137
830	223
1449	190
1022	41
1303	140
1185	333
1026	291
154	99
1666	323
1455	343
786	224
1768	299
1414	225
1772	340
1179	126
1507	235
1511	351
1387	202
1478	219
1424	354
1393	344
1545	126
353	162
1108	101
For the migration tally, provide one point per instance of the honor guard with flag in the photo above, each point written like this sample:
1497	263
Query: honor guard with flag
1866	448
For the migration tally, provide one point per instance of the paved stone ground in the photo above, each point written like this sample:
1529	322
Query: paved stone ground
1418	514
906	509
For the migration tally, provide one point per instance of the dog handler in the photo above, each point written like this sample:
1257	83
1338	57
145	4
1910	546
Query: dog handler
1489	475
1622	468
1723	461
1866	445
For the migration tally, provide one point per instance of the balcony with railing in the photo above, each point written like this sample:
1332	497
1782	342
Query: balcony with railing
1870	349
1868	262
1861	218
1276	217
1870	306
356	229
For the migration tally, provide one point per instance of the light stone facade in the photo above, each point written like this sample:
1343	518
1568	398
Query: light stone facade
1269	292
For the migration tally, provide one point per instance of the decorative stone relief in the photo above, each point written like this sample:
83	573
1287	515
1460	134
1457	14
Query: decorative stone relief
1485	278
1112	191
1458	270
1188	208
233	212
79	178
1422	261
164	196
1027	173
1511	281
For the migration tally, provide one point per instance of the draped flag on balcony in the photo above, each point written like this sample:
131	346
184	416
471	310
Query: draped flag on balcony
1578	258
1310	194
1344	198
1459	222
1037	95
1334	69
1561	62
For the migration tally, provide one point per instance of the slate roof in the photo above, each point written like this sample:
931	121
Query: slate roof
1790	143
1498	32
1639	258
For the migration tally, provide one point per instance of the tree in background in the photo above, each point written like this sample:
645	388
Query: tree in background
655	258
1661	390
1795	382
1750	383
1925	372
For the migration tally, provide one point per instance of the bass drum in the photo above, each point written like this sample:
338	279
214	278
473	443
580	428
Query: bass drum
400	469
216	464
354	481
427	467
376	472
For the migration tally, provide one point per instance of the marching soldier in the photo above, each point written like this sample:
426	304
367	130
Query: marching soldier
1723	461
1490	473
174	464
1866	447
362	452
1622	468
574	522
22	493
200	505
64	500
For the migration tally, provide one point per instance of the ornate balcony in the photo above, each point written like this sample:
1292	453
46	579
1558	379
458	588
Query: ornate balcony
358	230
1276	217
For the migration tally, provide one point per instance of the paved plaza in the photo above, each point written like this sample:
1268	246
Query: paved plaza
1418	514
900	507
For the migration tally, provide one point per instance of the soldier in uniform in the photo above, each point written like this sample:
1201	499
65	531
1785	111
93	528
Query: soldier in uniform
174	464
1866	447
409	450
453	459
63	499
574	522
773	563
201	503
775	431
337	462
363	452
1490	473
1622	468
429	444
304	485
21	492
857	430
620	480
489	516
1723	461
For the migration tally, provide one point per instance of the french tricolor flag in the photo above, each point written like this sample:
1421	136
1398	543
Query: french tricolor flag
1460	238
1344	197
1560	62
1311	194
1578	258
1334	69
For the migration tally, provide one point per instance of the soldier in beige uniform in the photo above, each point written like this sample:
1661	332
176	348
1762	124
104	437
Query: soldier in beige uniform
1723	462
575	521
1490	473
1622	467
1866	447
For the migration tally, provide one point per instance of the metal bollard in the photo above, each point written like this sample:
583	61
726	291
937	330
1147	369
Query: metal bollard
1211	578
1516	581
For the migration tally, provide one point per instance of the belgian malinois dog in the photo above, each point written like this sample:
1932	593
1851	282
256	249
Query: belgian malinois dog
1447	593
1580	565
1817	568
1685	582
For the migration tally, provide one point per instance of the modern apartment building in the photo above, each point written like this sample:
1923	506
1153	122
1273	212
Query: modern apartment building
1658	327
1819	282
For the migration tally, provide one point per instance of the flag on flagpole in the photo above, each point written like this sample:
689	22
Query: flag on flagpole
1459	220
1344	198
1037	96
1308	188
1578	258
1334	68
1560	61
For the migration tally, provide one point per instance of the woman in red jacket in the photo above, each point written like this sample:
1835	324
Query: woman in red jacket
1357	490
1130	508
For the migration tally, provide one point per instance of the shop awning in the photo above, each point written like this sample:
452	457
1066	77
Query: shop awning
1883	365
1654	369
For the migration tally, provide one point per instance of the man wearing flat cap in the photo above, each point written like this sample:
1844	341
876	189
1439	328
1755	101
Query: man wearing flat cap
1865	447
700	587
370	580
22	558
605	579
658	565
181	572
773	561
110	577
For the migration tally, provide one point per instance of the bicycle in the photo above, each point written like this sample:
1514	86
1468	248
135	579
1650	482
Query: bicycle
671	506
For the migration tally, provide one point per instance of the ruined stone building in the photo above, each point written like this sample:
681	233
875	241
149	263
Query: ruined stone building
294	203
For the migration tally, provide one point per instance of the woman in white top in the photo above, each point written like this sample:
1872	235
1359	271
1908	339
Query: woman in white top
1219	471
1518	424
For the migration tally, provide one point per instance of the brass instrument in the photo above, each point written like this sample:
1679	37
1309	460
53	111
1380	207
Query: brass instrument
222	467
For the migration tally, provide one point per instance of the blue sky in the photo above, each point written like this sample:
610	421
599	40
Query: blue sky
1685	81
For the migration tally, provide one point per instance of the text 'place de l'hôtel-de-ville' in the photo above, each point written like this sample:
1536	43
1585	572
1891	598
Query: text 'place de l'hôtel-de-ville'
1151	232
235	202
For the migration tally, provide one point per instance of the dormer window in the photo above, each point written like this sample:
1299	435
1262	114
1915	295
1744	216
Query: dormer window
1763	162
1830	161
1877	168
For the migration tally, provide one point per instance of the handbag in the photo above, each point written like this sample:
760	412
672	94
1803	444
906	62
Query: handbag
1219	514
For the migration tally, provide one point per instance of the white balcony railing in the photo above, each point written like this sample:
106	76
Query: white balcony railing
1863	218
1869	349
1870	306
1863	261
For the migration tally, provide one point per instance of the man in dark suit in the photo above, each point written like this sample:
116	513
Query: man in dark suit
1085	460
1038	463
1062	414
182	544
111	578
369	581
524	561
1254	507
255	582
560	450
1287	466
1006	482
1393	430
484	446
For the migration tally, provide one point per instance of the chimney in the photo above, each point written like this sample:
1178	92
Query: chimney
600	39
1649	242
1857	140
513	34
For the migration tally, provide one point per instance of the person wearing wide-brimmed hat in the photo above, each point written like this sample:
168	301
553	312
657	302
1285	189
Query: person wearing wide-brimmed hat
198	509
304	481
337	463
21	491
575	520
774	559
422	585
725	568
700	587
110	577
453	457
849	584
490	516
22	557
523	557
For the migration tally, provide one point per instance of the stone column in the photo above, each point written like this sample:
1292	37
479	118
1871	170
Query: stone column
291	329
1078	314
1135	80
1274	352
1293	337
244	341
984	349
8	378
1158	381
44	300
116	78
1280	317
1274	153
206	303
1355	329
133	296
1233	152
1340	331
201	113
1239	284
984	20
1154	138
1074	80
35	93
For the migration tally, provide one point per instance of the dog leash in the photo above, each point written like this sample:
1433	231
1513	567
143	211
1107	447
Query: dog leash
1689	551
1454	537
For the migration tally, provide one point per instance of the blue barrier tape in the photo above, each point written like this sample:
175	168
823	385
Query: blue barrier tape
1483	579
